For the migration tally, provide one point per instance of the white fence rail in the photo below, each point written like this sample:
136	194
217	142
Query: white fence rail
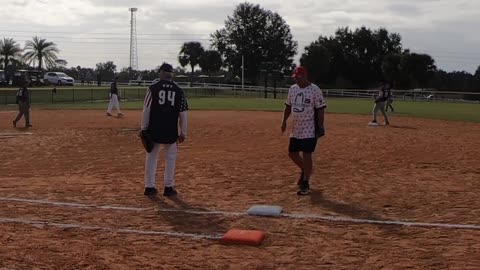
407	95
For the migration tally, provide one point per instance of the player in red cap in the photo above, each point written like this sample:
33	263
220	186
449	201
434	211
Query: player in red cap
306	103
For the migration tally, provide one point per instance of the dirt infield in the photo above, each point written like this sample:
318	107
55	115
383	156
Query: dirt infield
417	170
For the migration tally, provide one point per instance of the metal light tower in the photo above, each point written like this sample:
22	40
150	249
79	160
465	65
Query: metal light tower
133	40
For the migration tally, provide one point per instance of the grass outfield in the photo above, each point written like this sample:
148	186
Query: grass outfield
432	110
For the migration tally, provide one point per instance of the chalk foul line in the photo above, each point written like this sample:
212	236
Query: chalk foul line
45	224
229	213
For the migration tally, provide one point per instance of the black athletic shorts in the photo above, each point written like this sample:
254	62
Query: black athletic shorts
302	145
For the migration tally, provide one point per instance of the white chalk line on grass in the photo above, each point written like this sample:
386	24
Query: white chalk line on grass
228	213
43	224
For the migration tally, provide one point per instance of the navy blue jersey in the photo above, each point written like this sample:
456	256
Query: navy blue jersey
166	100
113	88
385	92
22	95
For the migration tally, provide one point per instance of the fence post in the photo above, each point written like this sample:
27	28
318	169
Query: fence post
5	93
91	94
73	95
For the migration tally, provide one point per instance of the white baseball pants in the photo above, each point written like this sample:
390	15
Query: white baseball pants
113	103
151	163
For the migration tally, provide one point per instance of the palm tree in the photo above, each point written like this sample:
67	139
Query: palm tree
41	51
9	49
191	54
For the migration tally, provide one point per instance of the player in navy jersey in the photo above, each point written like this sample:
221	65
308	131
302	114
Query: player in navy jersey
165	104
114	99
23	100
380	99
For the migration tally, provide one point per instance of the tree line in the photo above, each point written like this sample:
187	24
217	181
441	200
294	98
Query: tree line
262	42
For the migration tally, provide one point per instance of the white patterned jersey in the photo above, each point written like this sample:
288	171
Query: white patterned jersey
304	101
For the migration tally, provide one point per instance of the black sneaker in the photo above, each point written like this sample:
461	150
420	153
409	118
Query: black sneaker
169	191
300	180
304	188
150	191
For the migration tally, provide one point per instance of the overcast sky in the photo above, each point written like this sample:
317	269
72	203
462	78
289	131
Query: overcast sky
92	31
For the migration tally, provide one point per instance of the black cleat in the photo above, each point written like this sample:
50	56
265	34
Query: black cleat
169	191
28	125
150	191
14	124
304	188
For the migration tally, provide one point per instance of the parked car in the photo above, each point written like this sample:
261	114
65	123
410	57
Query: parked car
33	77
58	78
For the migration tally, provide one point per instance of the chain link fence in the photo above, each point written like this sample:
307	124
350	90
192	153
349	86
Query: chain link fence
98	94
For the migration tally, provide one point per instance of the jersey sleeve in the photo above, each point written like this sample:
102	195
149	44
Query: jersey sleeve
320	102
148	99
288	102
146	110
183	103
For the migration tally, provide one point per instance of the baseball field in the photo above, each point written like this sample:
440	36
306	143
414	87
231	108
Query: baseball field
398	197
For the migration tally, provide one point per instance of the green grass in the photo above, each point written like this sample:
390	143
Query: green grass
432	110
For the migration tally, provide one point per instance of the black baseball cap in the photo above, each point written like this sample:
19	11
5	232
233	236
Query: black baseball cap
166	67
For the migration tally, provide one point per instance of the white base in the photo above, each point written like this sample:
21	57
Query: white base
265	210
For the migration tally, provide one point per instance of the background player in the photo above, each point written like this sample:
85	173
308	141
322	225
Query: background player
380	99
305	100
165	104
23	100
114	99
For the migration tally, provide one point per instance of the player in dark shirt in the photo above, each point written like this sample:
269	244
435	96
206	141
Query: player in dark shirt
114	99
388	90
23	100
165	104
380	100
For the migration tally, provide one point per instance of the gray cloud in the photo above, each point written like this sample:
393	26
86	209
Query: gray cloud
445	29
405	9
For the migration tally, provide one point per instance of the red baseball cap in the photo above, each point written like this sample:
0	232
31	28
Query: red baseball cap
299	72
